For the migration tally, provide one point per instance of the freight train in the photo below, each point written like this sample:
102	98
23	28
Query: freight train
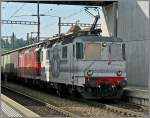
82	63
85	63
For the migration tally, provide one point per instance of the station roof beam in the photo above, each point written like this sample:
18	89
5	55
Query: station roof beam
88	3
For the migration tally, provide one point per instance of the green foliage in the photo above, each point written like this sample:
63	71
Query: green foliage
7	44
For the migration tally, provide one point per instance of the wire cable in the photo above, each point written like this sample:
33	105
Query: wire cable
73	14
17	11
69	16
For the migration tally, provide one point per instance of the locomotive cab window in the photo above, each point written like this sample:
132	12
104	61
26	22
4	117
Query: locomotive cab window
116	51
92	51
64	52
79	50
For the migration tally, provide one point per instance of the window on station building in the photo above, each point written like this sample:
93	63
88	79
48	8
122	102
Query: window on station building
79	50
64	52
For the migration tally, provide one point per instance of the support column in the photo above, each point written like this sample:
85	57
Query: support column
59	25
111	16
115	8
38	16
13	40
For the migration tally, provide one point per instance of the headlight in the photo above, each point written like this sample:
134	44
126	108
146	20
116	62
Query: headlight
119	73
104	44
89	72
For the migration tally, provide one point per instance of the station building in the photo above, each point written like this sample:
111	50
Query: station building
129	20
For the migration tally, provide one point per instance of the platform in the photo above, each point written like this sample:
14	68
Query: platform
10	108
138	95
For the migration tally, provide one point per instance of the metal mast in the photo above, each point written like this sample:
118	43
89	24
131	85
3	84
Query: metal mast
38	16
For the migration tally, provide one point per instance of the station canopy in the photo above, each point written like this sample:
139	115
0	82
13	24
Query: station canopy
86	2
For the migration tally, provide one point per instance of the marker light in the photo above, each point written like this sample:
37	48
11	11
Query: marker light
89	72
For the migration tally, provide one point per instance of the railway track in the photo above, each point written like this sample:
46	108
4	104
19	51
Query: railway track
127	105
120	110
88	108
38	106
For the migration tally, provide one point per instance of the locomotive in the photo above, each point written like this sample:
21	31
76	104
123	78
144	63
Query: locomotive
83	63
90	65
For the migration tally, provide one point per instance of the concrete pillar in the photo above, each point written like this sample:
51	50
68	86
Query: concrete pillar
0	41
149	56
110	15
133	28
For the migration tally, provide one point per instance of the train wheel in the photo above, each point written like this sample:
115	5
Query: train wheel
70	90
62	90
58	92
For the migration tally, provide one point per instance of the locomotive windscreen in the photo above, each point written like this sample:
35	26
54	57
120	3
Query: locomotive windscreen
92	51
95	51
100	51
116	51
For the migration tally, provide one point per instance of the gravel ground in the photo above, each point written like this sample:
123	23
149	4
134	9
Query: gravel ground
34	106
79	108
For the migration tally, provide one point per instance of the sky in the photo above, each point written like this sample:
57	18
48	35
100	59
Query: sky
49	25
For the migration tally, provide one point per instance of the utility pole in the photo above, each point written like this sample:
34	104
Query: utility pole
38	16
115	8
59	26
13	40
28	41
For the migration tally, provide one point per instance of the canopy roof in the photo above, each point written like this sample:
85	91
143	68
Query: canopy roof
89	3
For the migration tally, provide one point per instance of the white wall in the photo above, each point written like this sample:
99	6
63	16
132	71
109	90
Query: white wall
133	28
109	20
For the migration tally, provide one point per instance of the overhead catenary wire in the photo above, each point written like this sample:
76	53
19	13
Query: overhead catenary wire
21	15
64	18
73	14
67	17
17	11
54	23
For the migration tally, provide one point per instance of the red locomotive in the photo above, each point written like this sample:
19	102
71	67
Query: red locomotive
29	63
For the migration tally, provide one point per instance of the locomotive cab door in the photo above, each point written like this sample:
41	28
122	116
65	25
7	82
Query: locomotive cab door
68	63
72	66
44	58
